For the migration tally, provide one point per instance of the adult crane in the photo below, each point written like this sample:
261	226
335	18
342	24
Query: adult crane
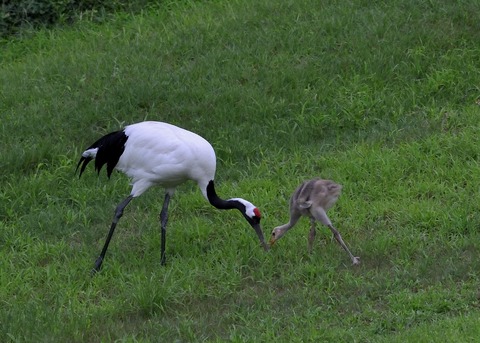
156	153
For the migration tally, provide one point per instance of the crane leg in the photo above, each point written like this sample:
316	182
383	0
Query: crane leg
320	214
311	235
163	223
338	237
116	218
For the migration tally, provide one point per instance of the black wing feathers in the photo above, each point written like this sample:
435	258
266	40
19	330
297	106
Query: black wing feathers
110	148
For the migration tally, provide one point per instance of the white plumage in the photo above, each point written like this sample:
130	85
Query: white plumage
163	154
155	153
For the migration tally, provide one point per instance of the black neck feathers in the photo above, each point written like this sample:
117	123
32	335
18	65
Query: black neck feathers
220	203
110	148
239	205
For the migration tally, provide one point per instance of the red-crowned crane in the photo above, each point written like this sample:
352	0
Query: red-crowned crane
155	153
312	199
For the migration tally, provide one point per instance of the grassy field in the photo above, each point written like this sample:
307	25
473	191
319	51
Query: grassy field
382	97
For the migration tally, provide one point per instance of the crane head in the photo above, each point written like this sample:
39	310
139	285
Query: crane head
249	211
253	216
277	233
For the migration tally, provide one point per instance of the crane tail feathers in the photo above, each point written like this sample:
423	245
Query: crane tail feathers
107	150
85	161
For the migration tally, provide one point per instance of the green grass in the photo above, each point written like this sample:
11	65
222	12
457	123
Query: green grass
382	97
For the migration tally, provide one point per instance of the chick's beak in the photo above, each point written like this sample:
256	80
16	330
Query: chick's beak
272	240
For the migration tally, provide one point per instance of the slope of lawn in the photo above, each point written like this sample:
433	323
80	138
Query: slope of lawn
382	97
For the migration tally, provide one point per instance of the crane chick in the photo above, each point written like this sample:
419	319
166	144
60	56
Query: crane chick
313	198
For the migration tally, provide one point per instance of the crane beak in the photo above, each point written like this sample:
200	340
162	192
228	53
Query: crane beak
258	230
